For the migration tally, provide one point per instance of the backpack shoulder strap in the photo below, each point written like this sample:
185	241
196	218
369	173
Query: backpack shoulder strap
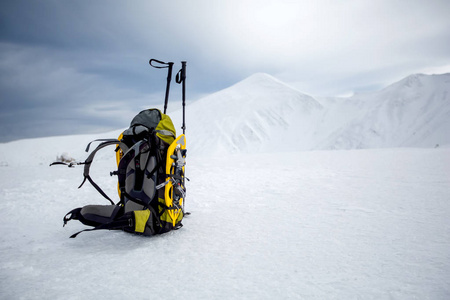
88	162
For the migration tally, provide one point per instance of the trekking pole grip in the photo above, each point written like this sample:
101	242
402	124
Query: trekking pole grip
163	65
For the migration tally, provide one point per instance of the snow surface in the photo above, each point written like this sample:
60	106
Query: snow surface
267	222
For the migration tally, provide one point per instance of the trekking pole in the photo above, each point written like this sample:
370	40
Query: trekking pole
181	78
168	65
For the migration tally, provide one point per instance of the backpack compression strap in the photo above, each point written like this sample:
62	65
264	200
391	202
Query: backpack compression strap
88	162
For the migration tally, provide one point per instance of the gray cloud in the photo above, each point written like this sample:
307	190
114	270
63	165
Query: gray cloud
82	66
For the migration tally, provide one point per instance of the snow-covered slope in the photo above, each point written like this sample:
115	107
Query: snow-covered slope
414	112
262	114
258	114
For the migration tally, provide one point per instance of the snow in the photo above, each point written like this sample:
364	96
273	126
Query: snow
267	221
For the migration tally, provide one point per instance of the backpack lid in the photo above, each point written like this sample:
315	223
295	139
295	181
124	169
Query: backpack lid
152	118
148	118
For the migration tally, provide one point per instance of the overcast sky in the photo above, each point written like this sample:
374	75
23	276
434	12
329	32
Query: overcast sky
81	66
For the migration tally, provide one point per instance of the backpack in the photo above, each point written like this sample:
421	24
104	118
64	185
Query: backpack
151	182
150	172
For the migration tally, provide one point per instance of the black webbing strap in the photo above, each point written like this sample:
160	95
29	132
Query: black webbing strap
96	187
154	152
88	162
155	168
116	141
118	224
163	64
70	165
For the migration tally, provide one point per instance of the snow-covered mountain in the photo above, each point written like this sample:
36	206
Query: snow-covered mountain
262	114
258	114
414	112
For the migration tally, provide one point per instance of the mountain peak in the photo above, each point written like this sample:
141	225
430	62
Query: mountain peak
414	80
260	76
263	81
259	113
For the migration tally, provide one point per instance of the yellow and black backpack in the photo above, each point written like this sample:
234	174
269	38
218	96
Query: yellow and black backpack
151	176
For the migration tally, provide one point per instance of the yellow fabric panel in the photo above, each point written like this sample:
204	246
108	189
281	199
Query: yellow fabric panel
166	124
119	155
140	219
